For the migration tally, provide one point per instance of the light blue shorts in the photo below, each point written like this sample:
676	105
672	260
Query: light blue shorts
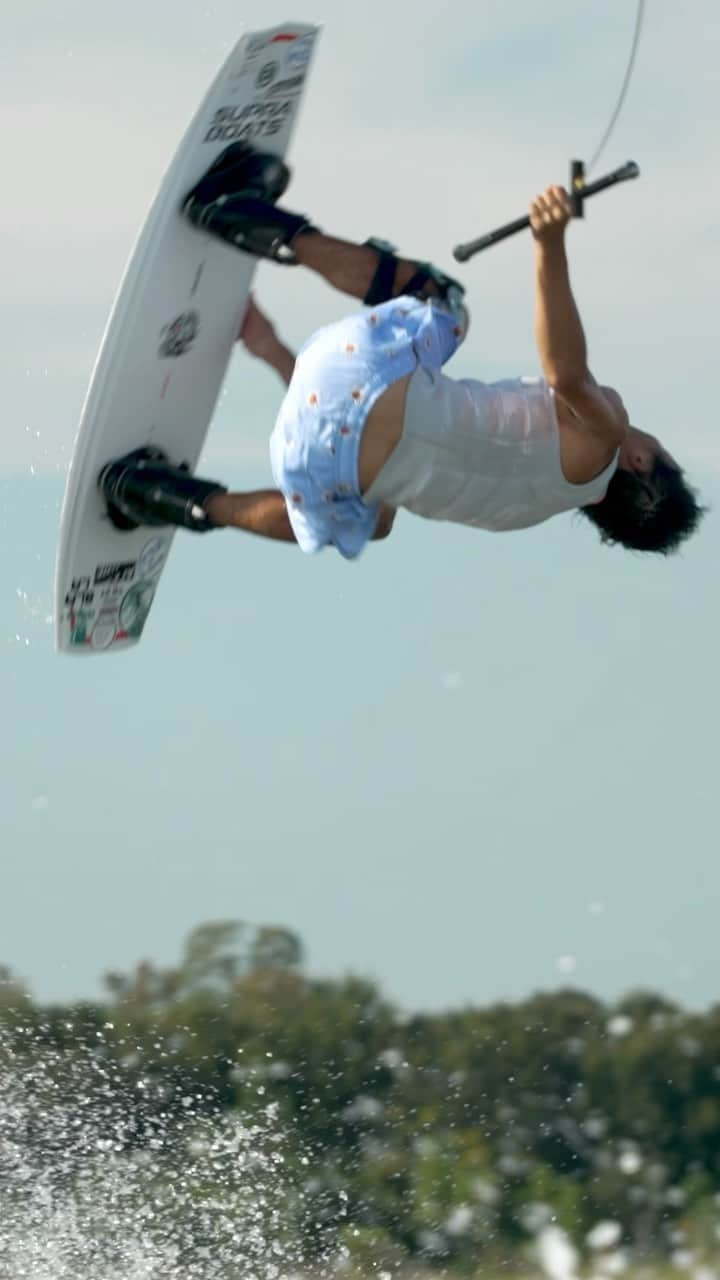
339	374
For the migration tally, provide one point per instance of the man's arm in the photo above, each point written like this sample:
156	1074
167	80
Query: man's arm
259	338
558	328
262	512
281	359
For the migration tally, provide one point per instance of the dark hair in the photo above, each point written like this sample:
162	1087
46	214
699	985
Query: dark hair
647	513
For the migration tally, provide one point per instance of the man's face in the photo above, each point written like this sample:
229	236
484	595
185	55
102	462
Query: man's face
639	451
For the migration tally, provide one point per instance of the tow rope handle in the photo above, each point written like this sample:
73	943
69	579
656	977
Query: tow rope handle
576	188
580	191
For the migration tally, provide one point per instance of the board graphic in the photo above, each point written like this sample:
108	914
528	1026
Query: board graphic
167	346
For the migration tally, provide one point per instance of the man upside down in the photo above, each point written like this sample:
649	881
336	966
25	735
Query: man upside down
370	423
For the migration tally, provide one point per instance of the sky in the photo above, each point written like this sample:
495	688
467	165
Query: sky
468	766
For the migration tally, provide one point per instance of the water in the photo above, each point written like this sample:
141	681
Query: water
106	1176
113	1170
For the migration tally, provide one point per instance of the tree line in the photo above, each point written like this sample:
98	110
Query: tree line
444	1138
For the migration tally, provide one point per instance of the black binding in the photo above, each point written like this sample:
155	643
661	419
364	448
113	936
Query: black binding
143	488
382	285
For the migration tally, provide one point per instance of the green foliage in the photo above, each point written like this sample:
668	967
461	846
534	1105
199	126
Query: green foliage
436	1139
371	1250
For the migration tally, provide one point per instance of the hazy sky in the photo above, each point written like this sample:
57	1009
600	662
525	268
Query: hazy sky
468	765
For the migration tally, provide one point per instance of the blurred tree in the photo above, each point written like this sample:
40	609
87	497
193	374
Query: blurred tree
275	948
443	1136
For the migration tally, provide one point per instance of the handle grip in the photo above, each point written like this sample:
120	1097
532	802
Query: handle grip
463	252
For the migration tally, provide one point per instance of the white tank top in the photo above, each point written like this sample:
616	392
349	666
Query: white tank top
482	454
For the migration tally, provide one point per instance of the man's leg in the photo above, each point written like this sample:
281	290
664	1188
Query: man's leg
237	202
351	267
251	221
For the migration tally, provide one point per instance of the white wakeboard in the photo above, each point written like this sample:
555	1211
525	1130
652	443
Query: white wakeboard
167	346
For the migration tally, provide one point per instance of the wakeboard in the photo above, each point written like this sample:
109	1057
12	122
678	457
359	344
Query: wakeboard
166	347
